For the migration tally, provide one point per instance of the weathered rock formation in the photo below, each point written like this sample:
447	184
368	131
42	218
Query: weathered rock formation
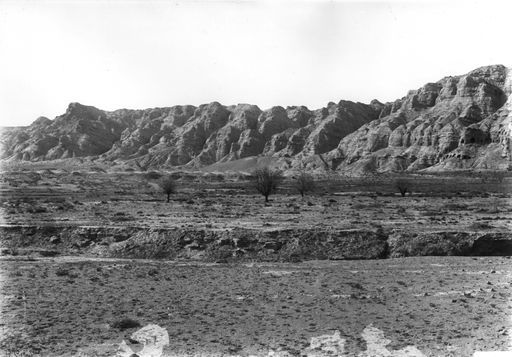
460	122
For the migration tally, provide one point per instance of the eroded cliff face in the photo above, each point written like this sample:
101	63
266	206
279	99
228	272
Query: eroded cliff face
461	122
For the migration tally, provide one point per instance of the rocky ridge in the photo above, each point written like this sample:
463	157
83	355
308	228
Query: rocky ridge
461	122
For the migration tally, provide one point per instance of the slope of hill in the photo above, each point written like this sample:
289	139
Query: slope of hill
461	122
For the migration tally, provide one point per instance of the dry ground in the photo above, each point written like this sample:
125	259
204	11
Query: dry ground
131	199
444	306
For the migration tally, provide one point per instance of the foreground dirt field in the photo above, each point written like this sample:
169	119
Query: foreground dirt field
444	306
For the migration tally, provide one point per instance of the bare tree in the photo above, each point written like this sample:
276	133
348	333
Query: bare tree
267	181
168	186
403	185
304	183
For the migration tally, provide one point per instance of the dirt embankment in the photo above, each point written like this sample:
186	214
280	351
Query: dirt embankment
246	244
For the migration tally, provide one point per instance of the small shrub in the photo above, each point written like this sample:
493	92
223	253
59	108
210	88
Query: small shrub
10	251
356	286
122	217
481	225
125	324
61	271
153	272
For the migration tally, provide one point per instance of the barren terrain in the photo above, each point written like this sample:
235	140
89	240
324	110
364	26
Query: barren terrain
443	306
53	196
62	295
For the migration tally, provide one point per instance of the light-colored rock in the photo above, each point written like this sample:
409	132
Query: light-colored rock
153	339
326	345
376	345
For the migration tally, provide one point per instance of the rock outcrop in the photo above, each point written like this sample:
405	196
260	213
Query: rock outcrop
456	123
461	122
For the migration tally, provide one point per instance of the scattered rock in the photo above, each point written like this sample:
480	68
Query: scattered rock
55	240
376	345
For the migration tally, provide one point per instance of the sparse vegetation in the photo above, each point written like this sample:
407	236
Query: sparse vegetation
267	181
492	176
304	183
168	186
62	271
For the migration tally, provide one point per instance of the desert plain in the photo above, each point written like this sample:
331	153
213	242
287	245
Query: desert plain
91	254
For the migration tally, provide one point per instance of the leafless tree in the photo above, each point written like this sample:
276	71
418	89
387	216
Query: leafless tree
304	183
267	181
403	185
168	186
492	176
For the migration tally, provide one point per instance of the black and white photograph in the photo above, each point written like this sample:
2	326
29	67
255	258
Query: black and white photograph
232	178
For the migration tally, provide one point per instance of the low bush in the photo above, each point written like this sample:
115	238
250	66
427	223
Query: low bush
62	271
48	253
153	175
125	323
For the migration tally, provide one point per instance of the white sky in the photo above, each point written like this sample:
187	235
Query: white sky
141	54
